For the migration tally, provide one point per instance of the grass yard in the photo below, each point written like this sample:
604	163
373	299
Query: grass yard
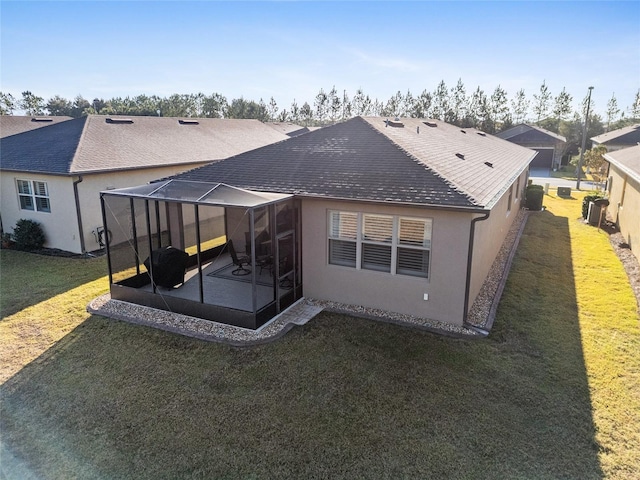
554	392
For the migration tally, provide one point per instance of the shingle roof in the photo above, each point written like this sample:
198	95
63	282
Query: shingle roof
626	136
98	143
361	159
627	160
523	127
14	124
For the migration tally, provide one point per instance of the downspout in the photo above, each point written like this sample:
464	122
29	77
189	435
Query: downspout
472	233
79	214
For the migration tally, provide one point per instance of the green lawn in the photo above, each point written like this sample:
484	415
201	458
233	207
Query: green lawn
553	392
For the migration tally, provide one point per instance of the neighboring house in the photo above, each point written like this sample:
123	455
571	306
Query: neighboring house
14	124
53	175
406	216
617	139
550	146
624	193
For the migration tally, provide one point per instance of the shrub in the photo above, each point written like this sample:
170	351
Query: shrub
533	197
587	199
28	235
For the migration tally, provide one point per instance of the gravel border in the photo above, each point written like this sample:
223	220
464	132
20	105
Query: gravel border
480	317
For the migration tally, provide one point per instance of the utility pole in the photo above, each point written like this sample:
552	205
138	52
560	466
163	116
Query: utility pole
584	139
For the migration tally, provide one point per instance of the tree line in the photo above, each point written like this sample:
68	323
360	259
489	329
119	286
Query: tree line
491	112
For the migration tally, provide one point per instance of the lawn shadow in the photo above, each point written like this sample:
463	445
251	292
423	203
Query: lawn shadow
538	319
28	278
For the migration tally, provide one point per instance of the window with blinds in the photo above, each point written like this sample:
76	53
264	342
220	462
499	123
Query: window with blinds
343	235
33	195
384	243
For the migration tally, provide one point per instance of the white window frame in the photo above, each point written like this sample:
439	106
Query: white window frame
391	240
34	194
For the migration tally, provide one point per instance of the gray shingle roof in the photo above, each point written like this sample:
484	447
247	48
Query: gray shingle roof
361	159
14	124
625	136
524	127
98	143
627	160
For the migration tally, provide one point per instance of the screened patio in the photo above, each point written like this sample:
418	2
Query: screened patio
211	251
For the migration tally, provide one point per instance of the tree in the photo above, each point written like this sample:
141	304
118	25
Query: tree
272	110
241	108
58	106
334	104
422	105
7	104
441	101
306	114
458	103
393	105
541	102
561	107
499	106
346	105
361	103
634	110
294	113
520	107
612	110
594	160
32	104
321	105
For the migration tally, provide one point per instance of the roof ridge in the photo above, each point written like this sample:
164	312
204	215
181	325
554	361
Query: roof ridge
80	144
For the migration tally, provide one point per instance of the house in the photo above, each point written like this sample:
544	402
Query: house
550	146
14	124
624	193
404	216
54	174
617	139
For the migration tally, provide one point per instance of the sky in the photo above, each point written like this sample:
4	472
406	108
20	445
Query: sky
289	50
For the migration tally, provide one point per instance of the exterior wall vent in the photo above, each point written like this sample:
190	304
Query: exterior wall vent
41	119
118	120
463	131
460	155
482	134
489	164
188	122
431	124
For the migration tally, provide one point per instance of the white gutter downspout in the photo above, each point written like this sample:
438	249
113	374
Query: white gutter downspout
79	213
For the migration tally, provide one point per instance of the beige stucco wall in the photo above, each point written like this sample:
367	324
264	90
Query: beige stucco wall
396	293
60	225
490	234
625	210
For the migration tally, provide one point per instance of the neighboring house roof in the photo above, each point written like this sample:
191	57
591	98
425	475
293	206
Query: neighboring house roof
627	160
14	124
97	143
525	127
288	128
623	136
363	159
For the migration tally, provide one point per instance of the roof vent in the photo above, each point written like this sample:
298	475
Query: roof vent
463	131
188	122
489	164
482	134
460	155
395	123
430	124
118	120
42	119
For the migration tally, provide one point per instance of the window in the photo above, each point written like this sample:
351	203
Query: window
510	199
33	195
384	243
518	189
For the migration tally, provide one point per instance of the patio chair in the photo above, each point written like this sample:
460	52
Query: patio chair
239	262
